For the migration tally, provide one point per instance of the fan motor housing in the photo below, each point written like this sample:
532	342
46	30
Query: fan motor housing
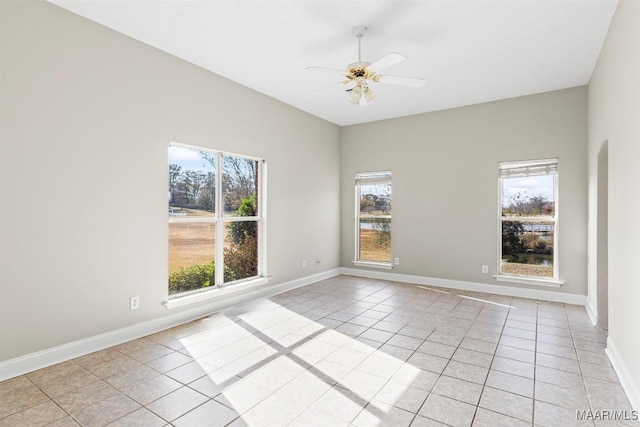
359	69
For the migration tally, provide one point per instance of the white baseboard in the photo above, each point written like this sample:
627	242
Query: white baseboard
41	359
592	312
512	291
630	388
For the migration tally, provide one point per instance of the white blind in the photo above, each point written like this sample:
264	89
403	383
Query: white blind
370	178
528	168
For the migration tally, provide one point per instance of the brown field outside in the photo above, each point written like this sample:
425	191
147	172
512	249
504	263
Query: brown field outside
371	250
193	243
527	269
190	244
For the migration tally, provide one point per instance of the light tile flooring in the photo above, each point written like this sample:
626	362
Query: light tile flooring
344	351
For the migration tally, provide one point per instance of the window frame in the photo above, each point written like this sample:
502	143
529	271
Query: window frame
220	220
554	165
382	177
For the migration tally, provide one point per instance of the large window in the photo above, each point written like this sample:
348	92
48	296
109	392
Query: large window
373	218
528	212
215	218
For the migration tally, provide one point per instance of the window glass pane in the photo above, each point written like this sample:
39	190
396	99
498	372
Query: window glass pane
192	181
239	186
191	256
528	196
241	250
375	200
527	248
375	239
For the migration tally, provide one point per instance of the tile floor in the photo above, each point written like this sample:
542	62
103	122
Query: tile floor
344	351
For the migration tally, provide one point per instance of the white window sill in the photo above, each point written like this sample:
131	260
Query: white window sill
373	264
523	280
214	293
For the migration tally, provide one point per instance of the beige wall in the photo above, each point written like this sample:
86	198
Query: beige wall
445	175
87	115
614	116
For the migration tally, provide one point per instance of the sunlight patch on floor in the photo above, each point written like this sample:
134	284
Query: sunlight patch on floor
272	364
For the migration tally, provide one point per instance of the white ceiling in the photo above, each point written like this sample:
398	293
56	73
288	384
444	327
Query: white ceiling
467	51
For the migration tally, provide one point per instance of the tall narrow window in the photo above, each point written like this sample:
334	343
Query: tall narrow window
215	217
373	218
528	212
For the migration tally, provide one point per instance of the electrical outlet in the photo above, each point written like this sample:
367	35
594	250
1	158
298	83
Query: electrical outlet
396	261
134	303
485	269
304	263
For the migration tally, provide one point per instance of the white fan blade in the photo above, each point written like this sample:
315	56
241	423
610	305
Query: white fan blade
325	69
386	62
402	81
316	92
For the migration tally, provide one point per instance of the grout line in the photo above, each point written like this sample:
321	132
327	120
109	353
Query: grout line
484	384
535	369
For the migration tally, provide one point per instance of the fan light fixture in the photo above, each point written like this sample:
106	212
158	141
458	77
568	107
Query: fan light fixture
360	74
361	94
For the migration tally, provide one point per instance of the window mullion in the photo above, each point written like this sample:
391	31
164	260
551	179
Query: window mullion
262	218
528	218
241	218
220	227
357	227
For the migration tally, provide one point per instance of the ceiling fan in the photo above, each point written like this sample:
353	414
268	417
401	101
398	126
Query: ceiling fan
361	74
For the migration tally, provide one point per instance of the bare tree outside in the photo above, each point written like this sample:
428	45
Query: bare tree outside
239	181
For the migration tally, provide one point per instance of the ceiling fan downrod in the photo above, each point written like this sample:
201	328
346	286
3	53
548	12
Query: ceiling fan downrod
359	32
